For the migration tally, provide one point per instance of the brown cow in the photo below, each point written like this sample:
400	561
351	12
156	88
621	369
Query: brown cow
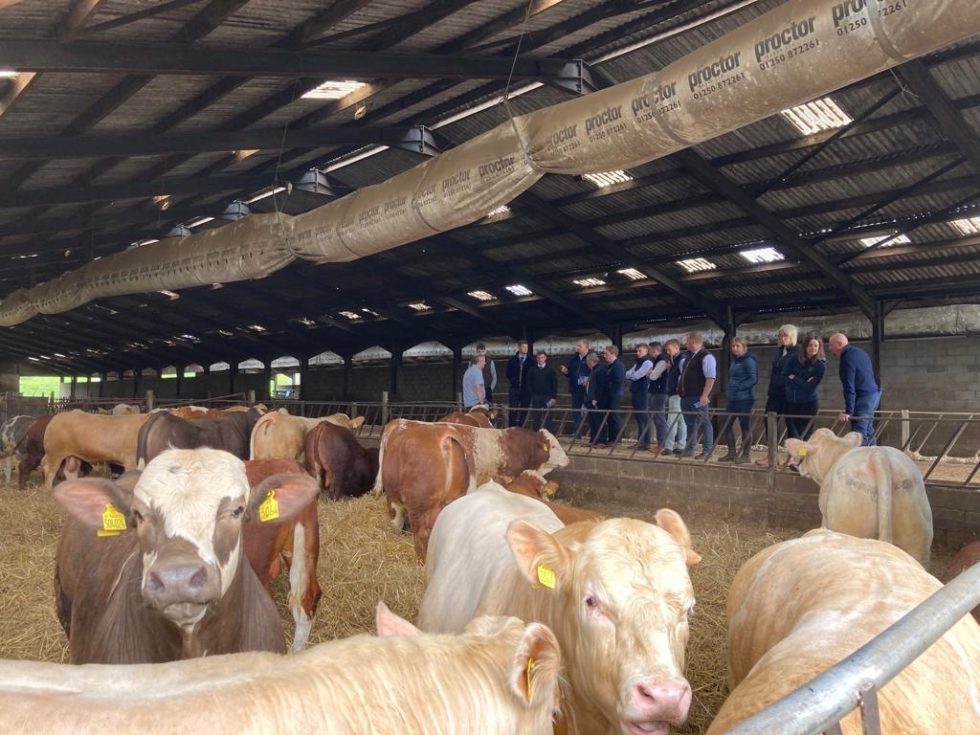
280	435
966	558
479	416
338	463
534	485
94	438
295	541
148	569
30	449
426	466
12	431
230	432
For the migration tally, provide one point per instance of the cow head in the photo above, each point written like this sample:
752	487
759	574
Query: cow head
818	455
556	455
187	508
624	597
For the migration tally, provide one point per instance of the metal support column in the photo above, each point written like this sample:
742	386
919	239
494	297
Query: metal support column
457	369
877	337
396	362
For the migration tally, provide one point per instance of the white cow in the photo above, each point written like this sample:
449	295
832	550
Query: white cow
499	676
616	593
868	492
799	607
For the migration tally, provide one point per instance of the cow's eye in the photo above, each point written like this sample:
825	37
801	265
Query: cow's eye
137	516
591	602
237	513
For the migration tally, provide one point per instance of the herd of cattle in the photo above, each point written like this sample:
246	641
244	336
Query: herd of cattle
537	617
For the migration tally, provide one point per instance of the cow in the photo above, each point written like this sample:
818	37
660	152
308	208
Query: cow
797	608
966	558
93	438
337	461
30	449
124	409
279	435
230	432
12	432
498	676
535	485
295	540
616	593
425	466
149	569
868	492
479	416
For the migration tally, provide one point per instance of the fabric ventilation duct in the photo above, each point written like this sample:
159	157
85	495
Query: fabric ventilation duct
796	52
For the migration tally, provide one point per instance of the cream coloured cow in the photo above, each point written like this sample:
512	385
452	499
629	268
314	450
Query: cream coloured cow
499	676
616	593
799	607
279	435
868	492
124	409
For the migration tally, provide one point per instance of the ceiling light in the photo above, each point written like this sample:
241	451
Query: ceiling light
608	178
265	194
141	243
306	321
8	74
481	295
172	295
352	315
500	211
200	221
968	226
692	265
762	255
25	256
420	306
892	239
818	115
519	290
632	273
589	282
256	328
368	311
33	359
333	90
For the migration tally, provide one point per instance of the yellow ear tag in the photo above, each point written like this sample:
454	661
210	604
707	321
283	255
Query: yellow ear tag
546	447
801	452
546	576
530	670
549	490
269	509
113	522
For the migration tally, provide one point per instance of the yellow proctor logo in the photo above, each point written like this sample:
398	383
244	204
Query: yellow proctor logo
546	576
269	509
113	521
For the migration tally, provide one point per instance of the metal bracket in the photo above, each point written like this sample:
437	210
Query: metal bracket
573	76
315	181
235	211
418	139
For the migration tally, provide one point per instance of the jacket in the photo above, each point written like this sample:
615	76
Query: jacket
804	386
610	389
743	376
542	381
777	378
637	375
857	376
517	374
578	371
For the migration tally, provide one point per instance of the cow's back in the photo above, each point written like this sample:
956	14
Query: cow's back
229	433
277	435
93	437
333	453
799	607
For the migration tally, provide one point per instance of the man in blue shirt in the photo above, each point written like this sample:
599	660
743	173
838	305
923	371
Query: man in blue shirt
861	392
474	391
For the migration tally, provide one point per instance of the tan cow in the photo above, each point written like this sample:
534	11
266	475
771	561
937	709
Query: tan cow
616	593
535	485
280	435
868	492
799	607
94	438
499	676
964	559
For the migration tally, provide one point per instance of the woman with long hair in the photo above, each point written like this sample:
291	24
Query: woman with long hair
803	373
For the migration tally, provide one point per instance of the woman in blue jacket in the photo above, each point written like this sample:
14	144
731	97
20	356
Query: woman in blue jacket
740	392
803	372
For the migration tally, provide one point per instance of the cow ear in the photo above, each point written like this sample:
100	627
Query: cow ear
389	624
797	448
88	499
536	665
280	497
540	557
355	423
672	523
854	438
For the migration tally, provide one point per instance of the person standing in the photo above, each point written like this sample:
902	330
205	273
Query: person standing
591	396
658	378
776	398
577	373
610	395
804	372
743	375
542	384
698	375
473	389
676	437
517	366
489	372
861	391
640	394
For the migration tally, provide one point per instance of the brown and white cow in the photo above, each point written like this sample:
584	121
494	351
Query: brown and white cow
533	484
479	416
868	492
229	432
964	559
149	569
426	466
281	435
616	593
338	462
294	541
94	438
31	450
499	676
801	606
12	432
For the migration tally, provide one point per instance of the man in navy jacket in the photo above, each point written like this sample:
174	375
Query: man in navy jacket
577	373
610	393
517	366
861	392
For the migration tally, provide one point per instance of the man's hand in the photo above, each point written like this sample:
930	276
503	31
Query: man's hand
843	416
564	370
703	400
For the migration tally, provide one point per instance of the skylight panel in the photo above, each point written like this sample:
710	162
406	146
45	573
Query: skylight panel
172	295
968	226
369	311
693	265
816	116
500	211
893	239
420	306
8	74
589	282
632	273
481	295
333	90
519	290
352	315
257	328
266	194
607	178
762	255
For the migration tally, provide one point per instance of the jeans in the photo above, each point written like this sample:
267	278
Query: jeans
517	403
864	408
541	418
798	418
657	403
578	412
614	422
697	418
641	405
676	426
742	407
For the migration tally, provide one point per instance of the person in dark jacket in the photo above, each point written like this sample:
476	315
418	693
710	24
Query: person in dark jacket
776	397
591	396
577	373
804	372
676	438
610	395
659	384
699	371
743	375
640	394
542	384
861	392
517	366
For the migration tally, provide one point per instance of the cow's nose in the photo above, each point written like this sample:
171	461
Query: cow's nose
662	699
167	584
